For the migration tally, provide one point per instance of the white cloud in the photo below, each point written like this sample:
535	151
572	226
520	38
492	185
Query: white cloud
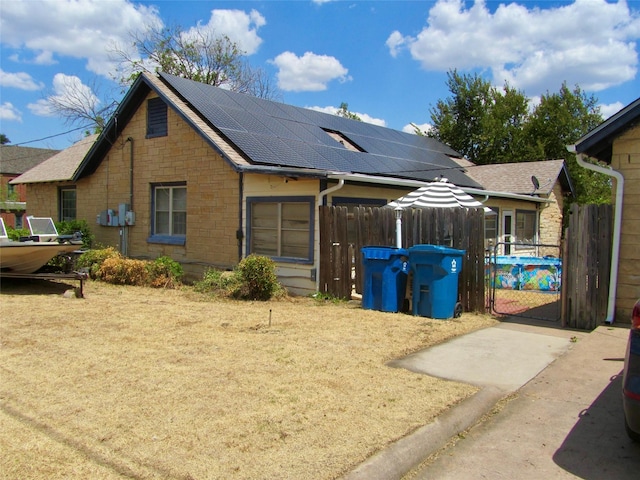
606	110
42	30
67	89
239	26
309	73
10	113
588	42
41	108
369	119
423	127
363	116
395	42
20	80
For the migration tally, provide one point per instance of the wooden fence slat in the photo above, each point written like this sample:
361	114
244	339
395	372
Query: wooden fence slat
586	266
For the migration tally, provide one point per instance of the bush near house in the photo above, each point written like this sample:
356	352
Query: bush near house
91	260
15	233
108	265
258	278
253	279
164	272
71	227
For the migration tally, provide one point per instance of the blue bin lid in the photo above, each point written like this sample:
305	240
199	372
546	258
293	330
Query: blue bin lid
424	248
383	253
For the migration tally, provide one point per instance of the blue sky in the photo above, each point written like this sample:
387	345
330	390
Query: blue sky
387	59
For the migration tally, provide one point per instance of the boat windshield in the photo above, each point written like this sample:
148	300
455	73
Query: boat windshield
43	227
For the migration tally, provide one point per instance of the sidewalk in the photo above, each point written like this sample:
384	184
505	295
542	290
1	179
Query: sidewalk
537	435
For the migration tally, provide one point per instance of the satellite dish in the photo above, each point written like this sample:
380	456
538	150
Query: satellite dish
536	182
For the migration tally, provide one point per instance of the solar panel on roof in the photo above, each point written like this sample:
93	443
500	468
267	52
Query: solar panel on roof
279	134
219	117
288	153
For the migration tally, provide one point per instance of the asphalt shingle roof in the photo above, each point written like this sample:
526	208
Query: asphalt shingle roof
517	177
59	167
15	160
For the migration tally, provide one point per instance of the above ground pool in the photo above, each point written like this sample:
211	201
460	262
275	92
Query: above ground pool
525	273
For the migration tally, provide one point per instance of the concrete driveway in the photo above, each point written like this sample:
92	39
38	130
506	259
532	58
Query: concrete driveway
563	418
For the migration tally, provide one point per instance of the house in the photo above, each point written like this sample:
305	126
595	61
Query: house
207	176
528	199
616	142
15	160
53	178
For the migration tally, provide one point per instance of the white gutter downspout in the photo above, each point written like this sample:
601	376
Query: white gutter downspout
319	198
617	226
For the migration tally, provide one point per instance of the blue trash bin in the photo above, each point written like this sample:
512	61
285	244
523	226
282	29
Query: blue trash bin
434	289
385	278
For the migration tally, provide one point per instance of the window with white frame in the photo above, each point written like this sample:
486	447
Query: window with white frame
525	227
491	228
281	227
169	213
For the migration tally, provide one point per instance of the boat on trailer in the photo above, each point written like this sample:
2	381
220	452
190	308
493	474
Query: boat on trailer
30	254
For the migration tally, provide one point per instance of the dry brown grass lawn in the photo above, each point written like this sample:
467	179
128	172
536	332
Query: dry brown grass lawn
139	383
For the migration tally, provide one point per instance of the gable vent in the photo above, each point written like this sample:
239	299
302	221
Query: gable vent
156	118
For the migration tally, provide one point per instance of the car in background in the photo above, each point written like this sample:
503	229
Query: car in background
631	378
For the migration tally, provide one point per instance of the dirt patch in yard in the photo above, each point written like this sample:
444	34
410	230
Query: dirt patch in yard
140	383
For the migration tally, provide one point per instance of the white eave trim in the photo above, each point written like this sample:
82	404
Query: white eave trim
399	182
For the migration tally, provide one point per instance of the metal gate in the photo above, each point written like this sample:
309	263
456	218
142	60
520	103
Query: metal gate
524	280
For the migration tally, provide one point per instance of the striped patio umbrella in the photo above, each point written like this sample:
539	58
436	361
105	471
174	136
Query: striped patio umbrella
440	194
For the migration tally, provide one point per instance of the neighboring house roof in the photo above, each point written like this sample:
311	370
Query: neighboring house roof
15	160
259	135
59	167
519	177
598	142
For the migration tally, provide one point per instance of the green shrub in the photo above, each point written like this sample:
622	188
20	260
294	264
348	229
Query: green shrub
217	281
123	271
92	260
323	298
164	272
72	226
258	278
15	233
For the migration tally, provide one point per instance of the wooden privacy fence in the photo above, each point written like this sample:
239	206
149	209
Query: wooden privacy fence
586	266
343	234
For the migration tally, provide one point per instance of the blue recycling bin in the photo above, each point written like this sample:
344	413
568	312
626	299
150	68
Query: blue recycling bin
385	278
434	288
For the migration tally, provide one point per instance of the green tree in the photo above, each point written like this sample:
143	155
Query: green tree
457	120
560	120
490	125
343	111
502	137
4	139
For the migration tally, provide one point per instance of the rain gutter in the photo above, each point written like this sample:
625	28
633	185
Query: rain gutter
399	182
617	227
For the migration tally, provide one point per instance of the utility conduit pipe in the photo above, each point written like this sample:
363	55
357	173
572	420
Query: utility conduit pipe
319	202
